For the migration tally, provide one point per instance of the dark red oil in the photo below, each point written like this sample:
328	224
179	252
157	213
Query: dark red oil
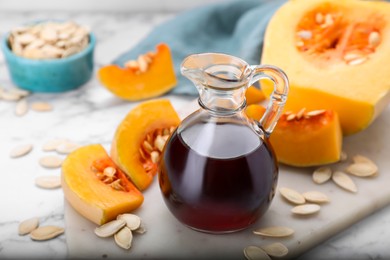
220	192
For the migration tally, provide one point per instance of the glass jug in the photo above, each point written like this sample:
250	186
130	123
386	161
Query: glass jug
218	172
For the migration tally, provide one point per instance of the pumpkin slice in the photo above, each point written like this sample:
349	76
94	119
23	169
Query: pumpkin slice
151	75
335	54
307	138
140	138
254	95
255	111
95	187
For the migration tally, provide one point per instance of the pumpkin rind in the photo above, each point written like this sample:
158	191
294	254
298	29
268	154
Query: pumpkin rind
141	120
309	141
87	194
358	93
127	84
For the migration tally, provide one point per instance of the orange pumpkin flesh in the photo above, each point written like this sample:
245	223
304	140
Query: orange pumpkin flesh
335	54
133	85
255	111
90	196
312	141
254	95
142	123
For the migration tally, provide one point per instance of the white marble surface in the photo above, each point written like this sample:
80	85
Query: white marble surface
90	115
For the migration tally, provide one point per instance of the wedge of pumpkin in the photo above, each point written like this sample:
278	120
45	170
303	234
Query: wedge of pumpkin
336	56
148	75
95	187
140	139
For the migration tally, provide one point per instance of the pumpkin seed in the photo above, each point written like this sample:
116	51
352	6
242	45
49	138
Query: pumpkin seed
21	107
50	161
357	61
301	113
255	253
322	175
292	195
143	65
109	171
290	117
362	159
275	249
46	232
110	228
315	112
343	156
20	150
374	38
155	156
10	96
316	197
124	238
329	20
159	143
67	147
274	231
28	225
344	181
132	221
319	18
306	209
41	106
53	144
362	169
141	229
48	182
305	34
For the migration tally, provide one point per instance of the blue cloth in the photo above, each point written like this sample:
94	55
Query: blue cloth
236	28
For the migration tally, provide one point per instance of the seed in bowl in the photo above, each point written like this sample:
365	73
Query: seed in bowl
49	40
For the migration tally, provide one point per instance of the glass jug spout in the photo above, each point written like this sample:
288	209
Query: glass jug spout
220	79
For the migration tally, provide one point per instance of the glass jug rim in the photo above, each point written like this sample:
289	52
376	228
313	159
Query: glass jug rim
206	62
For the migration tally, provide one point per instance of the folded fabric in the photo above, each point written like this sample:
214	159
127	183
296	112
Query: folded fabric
235	27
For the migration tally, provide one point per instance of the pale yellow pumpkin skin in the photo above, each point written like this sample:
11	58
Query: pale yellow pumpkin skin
358	93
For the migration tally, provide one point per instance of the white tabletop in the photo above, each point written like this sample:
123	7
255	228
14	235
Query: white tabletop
90	115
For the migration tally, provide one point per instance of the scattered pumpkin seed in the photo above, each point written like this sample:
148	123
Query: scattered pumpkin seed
343	156
292	195
362	159
110	228
50	161
322	175
274	231
306	209
21	107
67	147
315	197
315	112
255	253
344	181
48	182
362	169
41	106
275	249
132	221
52	145
10	96
28	225
141	229
374	38
20	150
124	237
46	232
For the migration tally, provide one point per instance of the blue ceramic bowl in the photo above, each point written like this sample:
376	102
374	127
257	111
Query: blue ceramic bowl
50	75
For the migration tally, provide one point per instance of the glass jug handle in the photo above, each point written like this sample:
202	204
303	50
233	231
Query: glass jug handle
278	96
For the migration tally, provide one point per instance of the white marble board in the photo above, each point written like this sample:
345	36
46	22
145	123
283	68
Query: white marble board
167	238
